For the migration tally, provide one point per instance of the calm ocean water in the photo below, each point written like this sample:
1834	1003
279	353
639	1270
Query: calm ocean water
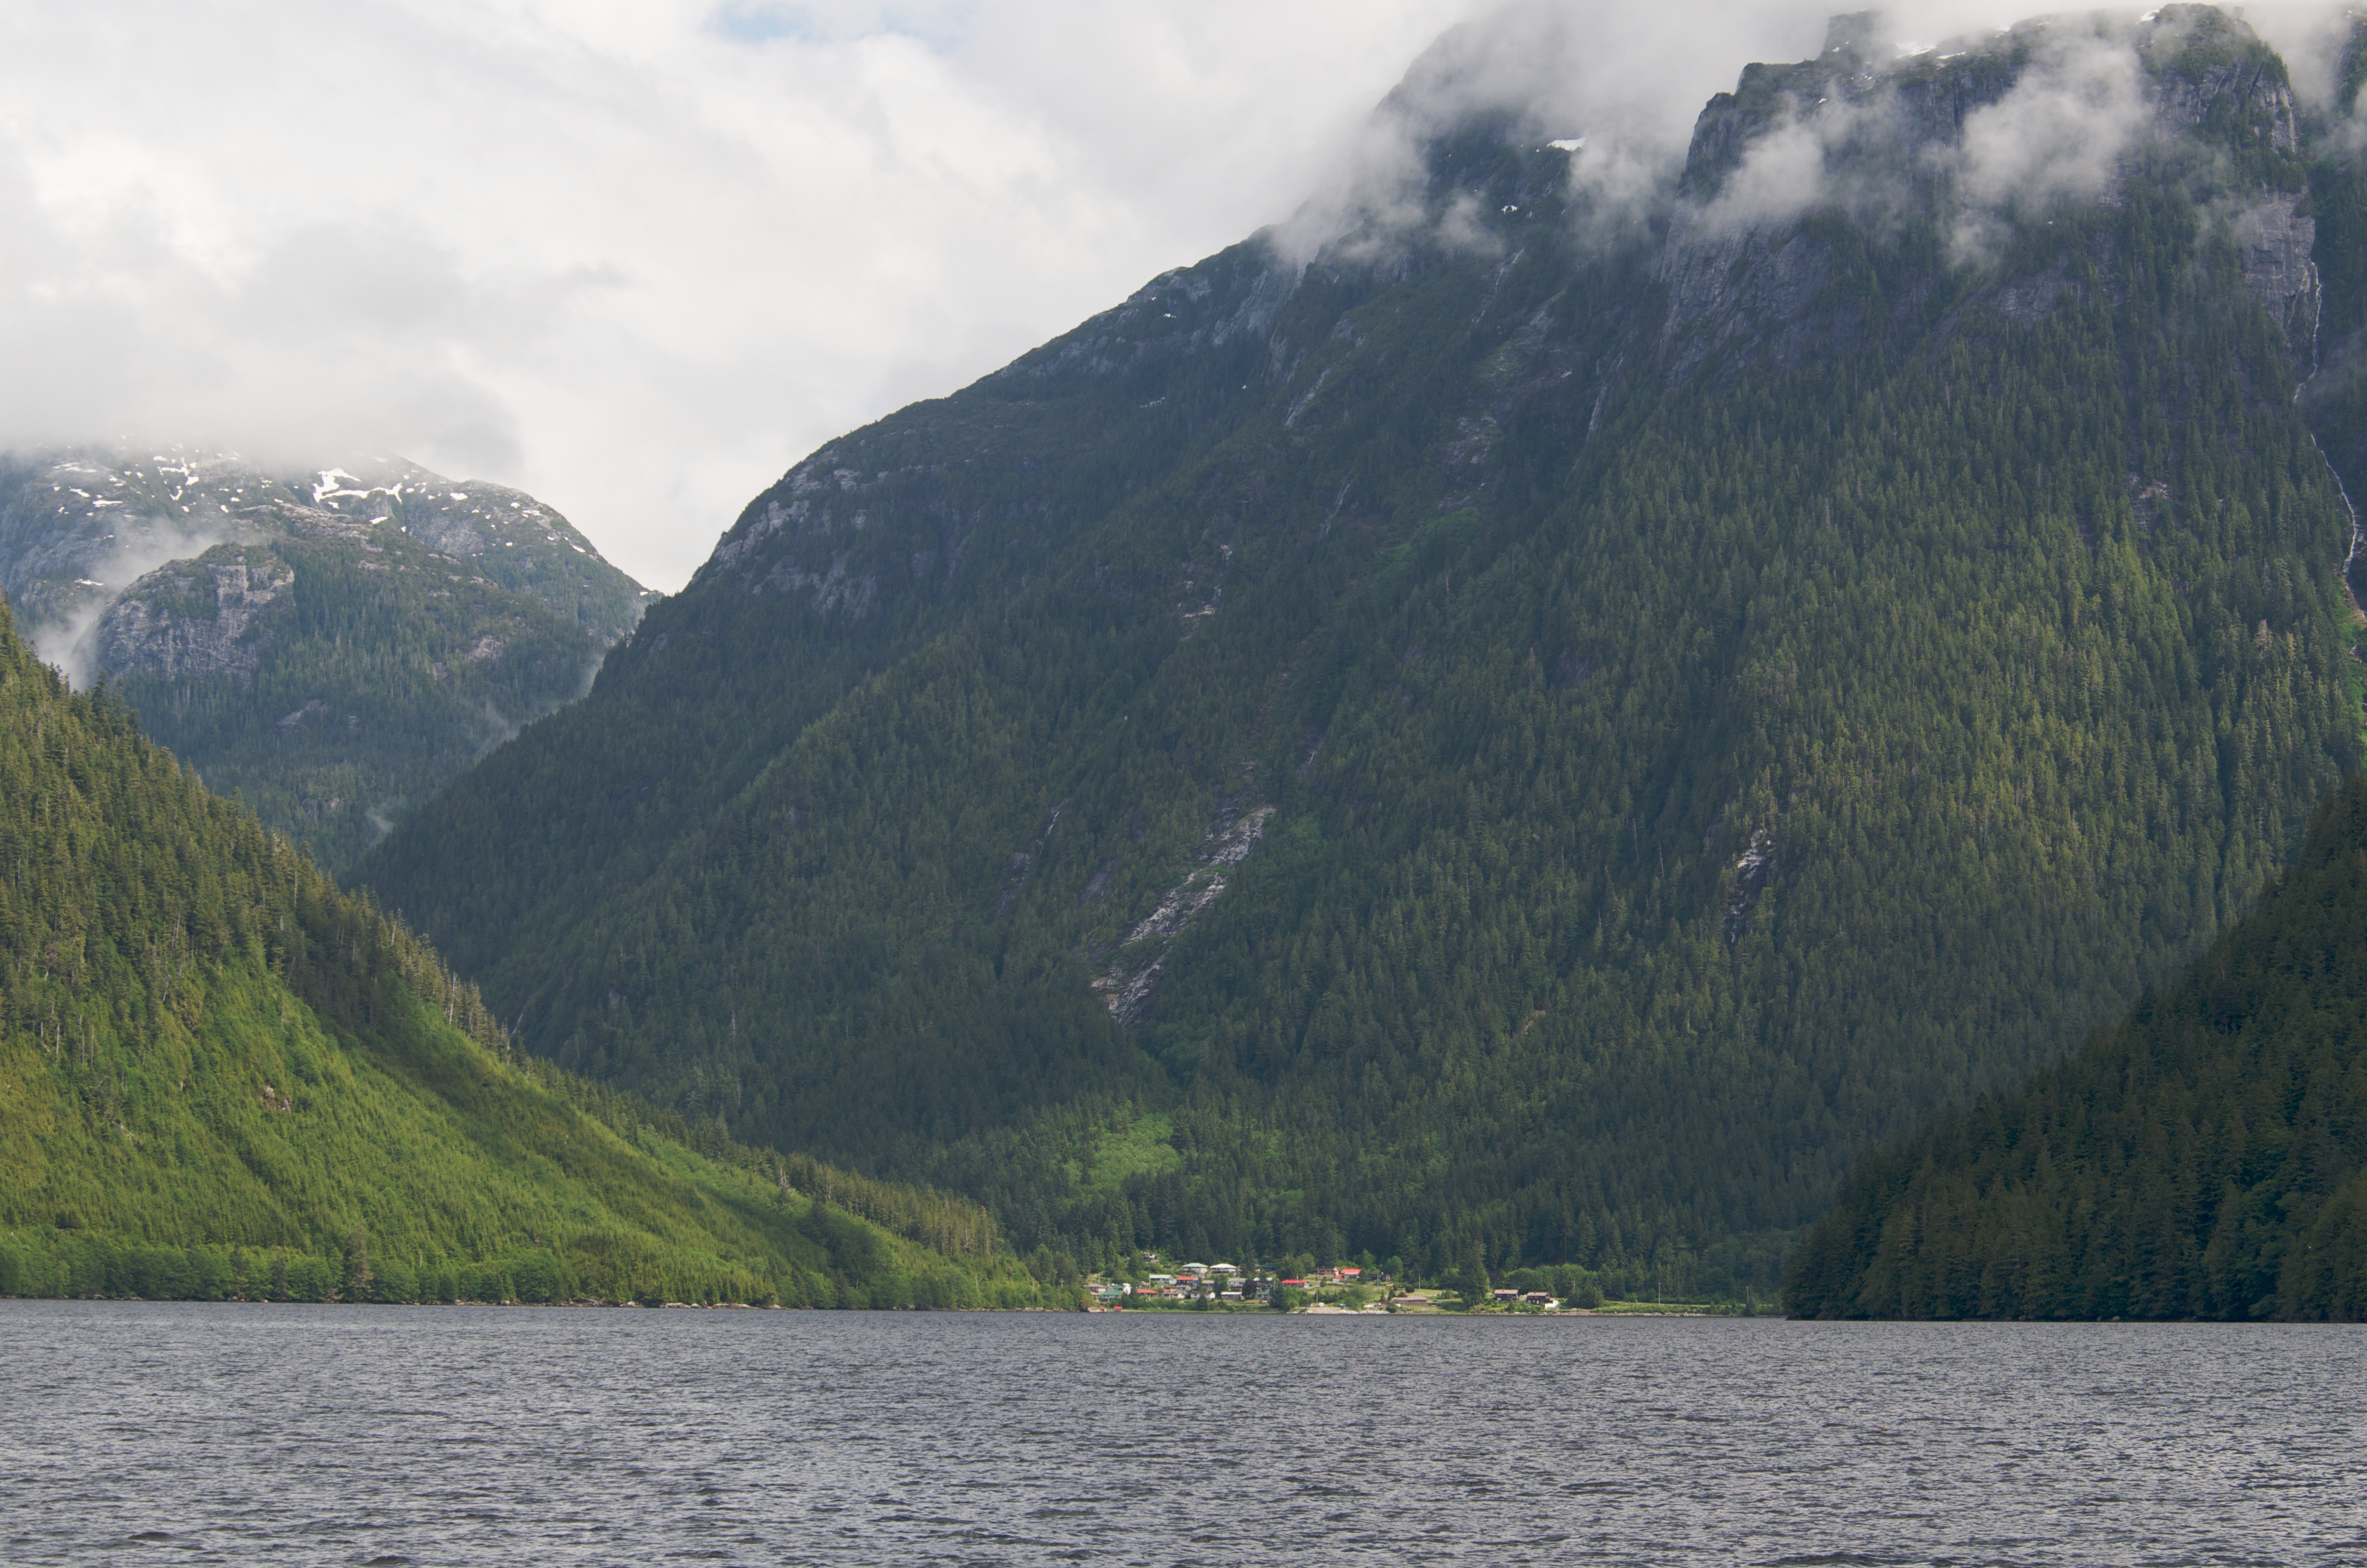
136	1433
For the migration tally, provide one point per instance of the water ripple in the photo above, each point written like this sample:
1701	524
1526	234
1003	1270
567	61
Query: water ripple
141	1433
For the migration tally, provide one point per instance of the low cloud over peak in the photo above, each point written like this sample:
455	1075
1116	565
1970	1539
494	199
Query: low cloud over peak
636	258
639	258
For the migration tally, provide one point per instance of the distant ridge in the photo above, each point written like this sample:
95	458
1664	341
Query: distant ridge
331	645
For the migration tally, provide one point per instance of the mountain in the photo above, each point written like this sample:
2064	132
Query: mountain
1539	724
220	1075
2206	1157
332	647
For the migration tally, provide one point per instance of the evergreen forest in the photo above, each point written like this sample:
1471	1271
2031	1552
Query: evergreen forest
378	673
220	1076
2205	1156
1533	733
329	648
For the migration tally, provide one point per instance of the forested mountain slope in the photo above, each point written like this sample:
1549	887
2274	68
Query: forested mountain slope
2204	1158
219	1075
332	647
1536	726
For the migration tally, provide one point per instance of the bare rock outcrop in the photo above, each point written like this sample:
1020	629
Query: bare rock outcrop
199	617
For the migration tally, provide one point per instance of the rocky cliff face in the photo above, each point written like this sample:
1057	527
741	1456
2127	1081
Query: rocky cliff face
2280	244
197	618
76	527
1873	136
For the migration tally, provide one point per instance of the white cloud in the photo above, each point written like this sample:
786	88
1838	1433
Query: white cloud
2309	35
2063	128
1620	84
1782	174
2079	109
639	255
635	257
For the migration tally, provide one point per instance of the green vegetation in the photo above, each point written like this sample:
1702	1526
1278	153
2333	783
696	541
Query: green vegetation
1493	978
2204	1158
1122	1154
378	674
1660	729
330	648
219	1074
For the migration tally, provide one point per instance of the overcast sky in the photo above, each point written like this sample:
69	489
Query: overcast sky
638	257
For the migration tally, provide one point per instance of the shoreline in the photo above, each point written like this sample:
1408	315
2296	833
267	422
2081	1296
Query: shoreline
1224	1312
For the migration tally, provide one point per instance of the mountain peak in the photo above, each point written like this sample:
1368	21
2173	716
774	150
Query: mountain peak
1862	35
1475	732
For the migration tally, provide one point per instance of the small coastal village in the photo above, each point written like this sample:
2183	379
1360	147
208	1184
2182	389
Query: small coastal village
1349	1289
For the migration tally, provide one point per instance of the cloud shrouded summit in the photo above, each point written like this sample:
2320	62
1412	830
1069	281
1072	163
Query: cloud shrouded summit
639	259
634	258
